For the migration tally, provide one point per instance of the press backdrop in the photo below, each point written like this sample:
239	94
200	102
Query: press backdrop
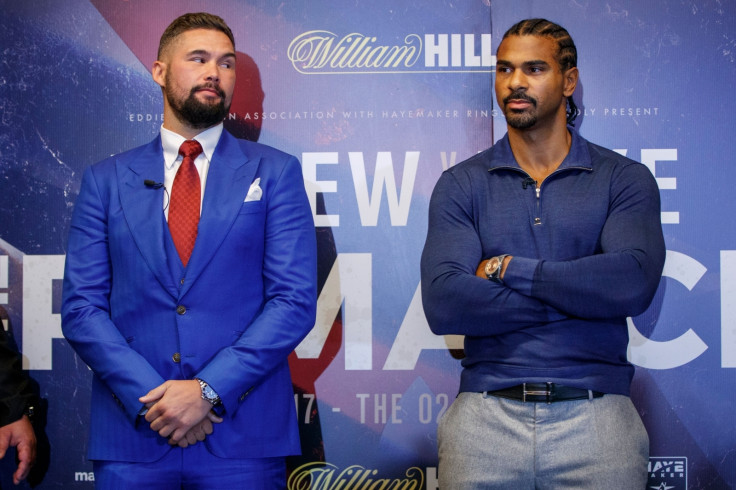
376	98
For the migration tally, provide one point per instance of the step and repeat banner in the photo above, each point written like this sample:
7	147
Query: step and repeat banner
377	98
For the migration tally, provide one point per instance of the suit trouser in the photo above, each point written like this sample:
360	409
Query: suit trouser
192	468
486	442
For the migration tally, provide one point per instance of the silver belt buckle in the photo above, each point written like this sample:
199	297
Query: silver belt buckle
546	393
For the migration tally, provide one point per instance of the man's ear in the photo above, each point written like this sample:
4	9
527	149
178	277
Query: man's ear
159	72
571	80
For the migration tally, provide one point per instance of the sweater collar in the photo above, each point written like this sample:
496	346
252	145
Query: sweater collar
501	155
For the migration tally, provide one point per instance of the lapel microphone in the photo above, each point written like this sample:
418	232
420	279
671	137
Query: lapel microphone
153	184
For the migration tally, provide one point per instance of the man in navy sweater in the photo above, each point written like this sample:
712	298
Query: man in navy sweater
538	249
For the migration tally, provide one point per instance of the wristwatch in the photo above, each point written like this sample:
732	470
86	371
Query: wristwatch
493	268
208	394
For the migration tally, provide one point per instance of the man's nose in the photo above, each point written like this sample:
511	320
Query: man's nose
517	80
213	72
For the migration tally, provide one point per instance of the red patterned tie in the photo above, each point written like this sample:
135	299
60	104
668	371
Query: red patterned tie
185	201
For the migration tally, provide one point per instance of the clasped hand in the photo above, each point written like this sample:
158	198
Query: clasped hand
177	412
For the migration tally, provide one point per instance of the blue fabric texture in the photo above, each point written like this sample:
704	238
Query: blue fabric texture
587	249
245	300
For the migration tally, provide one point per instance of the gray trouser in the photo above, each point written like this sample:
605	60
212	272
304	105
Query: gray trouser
487	442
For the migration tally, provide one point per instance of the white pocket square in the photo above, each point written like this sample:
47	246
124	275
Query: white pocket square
255	192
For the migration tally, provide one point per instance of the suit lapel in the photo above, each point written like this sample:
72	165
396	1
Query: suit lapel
142	207
230	175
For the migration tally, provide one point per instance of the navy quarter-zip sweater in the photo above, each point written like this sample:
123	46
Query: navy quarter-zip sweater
587	249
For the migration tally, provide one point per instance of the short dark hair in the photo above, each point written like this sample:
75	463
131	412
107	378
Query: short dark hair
191	21
567	53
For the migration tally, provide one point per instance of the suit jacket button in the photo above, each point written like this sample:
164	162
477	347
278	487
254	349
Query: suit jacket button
181	309
176	357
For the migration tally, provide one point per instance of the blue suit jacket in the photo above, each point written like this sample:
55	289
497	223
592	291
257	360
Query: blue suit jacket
245	300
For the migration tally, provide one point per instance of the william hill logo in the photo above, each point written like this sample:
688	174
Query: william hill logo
326	476
324	52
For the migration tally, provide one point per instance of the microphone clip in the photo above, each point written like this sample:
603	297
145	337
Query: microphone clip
153	184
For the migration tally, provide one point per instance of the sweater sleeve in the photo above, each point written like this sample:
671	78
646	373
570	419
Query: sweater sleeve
455	300
622	279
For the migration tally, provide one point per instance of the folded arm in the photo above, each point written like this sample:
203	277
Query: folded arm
622	279
455	300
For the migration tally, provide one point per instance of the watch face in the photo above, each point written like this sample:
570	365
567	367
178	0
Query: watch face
495	264
492	266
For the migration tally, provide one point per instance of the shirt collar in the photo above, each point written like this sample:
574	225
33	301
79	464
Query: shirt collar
171	142
578	156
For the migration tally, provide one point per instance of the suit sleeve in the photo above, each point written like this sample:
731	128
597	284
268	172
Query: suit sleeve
85	312
289	275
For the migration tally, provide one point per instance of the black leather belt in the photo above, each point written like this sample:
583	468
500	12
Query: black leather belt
544	392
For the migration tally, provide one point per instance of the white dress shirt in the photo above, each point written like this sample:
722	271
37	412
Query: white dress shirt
172	160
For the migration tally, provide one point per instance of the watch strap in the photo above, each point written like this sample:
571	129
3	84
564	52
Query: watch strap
208	394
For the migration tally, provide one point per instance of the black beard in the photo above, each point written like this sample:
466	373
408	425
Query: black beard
520	119
197	114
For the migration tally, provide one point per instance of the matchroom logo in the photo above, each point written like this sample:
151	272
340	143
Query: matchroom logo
324	52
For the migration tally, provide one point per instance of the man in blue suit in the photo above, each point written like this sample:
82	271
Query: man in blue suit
187	316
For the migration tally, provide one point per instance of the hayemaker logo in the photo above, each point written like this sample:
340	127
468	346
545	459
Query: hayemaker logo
667	473
324	52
